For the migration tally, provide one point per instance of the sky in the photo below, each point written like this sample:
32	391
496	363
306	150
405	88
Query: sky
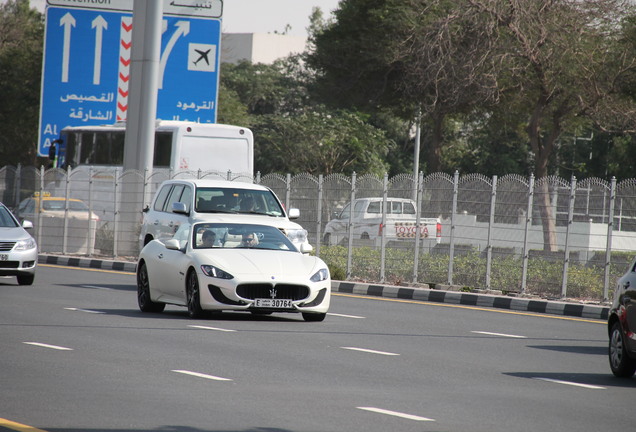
262	16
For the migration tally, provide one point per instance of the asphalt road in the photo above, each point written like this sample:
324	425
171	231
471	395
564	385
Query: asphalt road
77	355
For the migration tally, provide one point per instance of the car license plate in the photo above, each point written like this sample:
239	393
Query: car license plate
273	303
4	257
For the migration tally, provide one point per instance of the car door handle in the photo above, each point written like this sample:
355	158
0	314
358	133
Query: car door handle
160	256
156	222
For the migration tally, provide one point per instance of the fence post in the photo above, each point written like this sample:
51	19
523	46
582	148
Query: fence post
116	213
524	269
451	249
491	222
66	198
92	233
418	225
39	216
319	210
385	193
350	245
18	185
608	248
566	260
288	191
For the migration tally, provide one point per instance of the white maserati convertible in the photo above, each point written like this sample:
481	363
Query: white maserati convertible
232	266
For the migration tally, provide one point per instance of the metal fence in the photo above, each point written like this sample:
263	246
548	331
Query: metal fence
551	237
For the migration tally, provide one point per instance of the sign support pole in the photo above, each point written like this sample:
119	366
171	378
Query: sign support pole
144	70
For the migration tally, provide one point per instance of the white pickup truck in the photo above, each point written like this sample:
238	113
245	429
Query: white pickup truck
401	221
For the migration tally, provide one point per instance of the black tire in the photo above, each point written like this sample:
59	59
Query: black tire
621	364
364	236
26	279
314	317
143	292
193	295
327	239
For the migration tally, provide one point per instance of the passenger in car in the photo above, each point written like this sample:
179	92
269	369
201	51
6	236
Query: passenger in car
208	239
249	240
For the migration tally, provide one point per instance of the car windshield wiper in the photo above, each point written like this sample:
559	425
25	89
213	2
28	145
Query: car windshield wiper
217	211
257	213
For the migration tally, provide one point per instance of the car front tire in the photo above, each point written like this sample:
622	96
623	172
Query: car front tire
193	296
621	364
143	292
314	317
25	279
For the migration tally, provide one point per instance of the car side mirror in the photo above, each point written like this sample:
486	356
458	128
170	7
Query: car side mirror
306	248
27	224
172	244
179	207
294	213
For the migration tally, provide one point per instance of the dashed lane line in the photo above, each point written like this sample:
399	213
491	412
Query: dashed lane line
500	334
396	414
571	383
43	345
201	375
370	351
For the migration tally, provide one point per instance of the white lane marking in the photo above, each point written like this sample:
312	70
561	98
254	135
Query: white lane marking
370	351
396	414
570	383
346	316
84	310
500	334
200	375
48	346
96	287
211	328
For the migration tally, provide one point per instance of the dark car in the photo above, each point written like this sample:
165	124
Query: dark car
621	325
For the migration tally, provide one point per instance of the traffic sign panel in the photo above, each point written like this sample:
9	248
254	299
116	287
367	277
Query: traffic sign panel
87	69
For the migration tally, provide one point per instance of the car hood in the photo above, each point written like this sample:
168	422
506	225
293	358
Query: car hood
272	264
278	222
13	234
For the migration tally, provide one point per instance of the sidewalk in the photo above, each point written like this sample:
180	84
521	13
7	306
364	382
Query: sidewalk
519	304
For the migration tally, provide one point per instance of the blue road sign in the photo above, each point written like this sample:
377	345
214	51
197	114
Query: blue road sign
86	69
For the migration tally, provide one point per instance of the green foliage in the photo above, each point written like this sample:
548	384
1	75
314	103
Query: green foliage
21	41
544	277
319	142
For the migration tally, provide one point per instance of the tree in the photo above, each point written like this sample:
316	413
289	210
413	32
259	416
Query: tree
320	141
293	133
406	55
559	65
21	42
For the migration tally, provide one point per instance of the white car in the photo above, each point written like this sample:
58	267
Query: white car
18	250
242	267
202	200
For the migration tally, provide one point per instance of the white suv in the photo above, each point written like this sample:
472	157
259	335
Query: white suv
197	200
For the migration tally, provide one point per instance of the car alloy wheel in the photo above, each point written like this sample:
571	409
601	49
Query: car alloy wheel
143	292
621	364
193	295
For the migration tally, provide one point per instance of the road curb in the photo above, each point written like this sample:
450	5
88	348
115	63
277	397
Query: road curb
126	266
473	299
390	291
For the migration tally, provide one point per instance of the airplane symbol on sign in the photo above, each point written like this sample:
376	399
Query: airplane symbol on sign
203	55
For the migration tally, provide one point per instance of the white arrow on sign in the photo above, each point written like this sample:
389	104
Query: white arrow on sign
182	30
67	21
99	24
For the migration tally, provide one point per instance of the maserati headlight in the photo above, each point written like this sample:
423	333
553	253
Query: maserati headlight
215	272
23	245
297	236
320	275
